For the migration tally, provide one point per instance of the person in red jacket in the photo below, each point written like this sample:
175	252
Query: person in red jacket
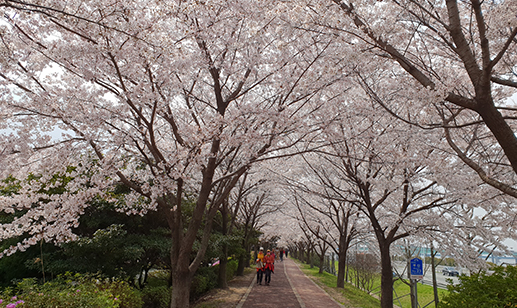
269	262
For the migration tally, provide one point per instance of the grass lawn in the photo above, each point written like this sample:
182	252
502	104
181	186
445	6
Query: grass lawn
349	296
424	292
358	298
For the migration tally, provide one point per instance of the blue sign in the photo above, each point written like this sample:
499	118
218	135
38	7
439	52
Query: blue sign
417	269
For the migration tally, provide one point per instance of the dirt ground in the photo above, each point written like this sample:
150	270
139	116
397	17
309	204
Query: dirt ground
218	298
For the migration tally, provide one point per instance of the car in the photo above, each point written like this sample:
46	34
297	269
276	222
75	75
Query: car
450	271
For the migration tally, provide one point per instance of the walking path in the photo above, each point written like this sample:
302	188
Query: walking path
289	288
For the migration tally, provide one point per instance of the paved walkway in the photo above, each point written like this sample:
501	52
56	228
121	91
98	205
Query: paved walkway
289	288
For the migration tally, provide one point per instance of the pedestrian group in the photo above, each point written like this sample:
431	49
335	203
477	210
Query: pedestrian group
266	264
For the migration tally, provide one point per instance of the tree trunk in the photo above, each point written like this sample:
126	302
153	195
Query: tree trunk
310	258
223	259
222	279
247	258
435	285
347	277
343	248
322	263
341	269
244	258
386	277
180	294
241	265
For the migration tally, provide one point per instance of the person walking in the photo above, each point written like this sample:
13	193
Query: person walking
260	265
282	254
269	266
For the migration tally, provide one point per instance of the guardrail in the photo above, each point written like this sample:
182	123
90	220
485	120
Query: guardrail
430	283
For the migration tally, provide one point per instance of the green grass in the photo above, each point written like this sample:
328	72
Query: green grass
354	296
359	298
425	294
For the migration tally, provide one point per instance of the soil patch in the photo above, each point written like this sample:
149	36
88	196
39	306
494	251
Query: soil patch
219	298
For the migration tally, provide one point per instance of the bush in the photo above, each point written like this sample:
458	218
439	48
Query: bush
204	281
483	290
77	291
127	296
156	296
206	278
231	268
200	285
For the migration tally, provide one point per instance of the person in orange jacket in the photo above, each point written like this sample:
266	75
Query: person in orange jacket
260	265
269	261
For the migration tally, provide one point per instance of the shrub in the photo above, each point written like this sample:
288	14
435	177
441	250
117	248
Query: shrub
156	296
202	284
231	268
127	296
204	281
483	290
206	278
77	291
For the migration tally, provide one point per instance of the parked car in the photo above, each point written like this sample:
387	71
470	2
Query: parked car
450	271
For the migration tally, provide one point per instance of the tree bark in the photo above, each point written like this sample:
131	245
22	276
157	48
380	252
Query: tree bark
343	248
223	262
182	267
499	127
341	266
241	265
180	295
386	276
309	256
223	259
435	285
322	263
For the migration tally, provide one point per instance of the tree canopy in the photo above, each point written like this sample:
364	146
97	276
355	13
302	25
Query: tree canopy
407	105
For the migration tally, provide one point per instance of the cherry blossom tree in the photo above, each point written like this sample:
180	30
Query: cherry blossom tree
172	98
252	202
177	100
333	222
381	168
455	69
321	247
392	177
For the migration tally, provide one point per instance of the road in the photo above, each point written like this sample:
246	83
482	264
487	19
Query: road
401	269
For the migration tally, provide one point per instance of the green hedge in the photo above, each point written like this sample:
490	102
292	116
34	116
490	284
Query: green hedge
206	278
77	291
156	296
484	290
90	291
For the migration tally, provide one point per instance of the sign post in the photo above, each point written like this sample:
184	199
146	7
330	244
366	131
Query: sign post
417	269
416	273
